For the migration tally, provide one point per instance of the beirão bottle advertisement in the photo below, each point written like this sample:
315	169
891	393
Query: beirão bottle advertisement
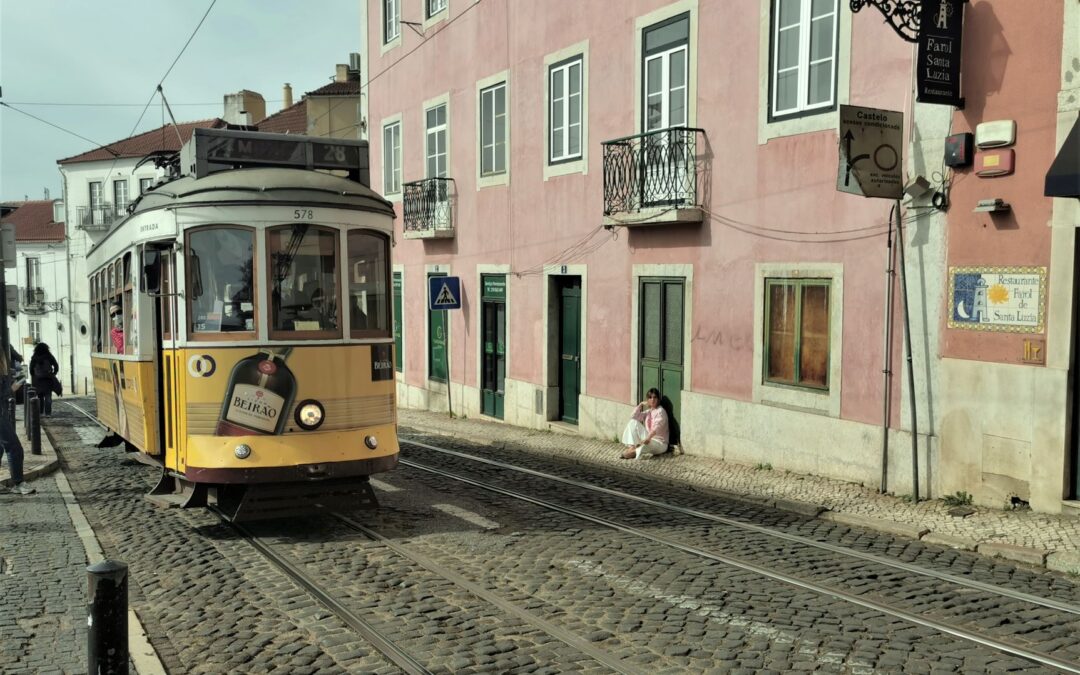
259	395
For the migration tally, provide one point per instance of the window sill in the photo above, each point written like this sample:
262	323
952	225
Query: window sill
438	17
493	180
826	120
565	168
392	44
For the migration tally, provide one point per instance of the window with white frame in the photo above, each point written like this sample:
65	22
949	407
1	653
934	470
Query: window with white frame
493	130
435	141
120	196
435	6
391	20
666	55
802	76
33	273
144	185
392	158
564	95
35	331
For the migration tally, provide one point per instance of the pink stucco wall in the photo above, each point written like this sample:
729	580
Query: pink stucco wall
775	202
1011	72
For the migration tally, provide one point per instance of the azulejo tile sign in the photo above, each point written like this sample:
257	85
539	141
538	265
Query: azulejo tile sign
1006	299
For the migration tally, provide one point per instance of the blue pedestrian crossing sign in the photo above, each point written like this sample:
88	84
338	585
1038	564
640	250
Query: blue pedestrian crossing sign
444	292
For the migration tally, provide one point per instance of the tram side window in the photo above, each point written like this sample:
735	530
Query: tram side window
95	301
131	332
221	273
368	284
304	281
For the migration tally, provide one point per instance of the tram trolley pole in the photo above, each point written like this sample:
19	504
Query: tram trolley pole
106	618
35	426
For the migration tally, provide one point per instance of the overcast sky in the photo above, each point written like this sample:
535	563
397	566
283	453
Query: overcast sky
116	51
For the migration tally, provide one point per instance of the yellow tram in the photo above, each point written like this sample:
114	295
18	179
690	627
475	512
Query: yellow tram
242	325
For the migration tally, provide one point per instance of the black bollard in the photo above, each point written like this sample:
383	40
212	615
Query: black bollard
28	395
35	426
107	643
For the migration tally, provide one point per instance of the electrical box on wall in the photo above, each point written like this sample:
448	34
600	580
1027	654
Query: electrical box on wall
990	163
959	149
995	134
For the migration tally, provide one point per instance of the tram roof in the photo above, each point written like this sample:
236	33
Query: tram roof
264	186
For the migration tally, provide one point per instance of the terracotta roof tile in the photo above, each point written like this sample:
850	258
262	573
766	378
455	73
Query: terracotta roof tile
347	88
162	138
291	120
34	221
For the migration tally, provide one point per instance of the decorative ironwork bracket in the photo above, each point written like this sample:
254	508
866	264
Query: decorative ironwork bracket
902	15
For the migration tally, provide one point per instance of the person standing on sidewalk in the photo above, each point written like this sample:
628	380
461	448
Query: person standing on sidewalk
9	440
646	433
43	370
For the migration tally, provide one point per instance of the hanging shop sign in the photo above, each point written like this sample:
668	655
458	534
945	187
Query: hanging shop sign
941	32
1004	299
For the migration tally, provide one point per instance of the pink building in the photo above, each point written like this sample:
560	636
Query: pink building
644	194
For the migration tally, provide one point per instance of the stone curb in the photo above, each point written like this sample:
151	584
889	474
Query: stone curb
50	465
1024	554
1059	561
961	543
879	524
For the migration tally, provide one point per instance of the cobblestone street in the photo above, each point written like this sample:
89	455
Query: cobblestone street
466	578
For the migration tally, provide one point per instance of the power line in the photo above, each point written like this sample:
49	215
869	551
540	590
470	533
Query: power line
116	105
55	126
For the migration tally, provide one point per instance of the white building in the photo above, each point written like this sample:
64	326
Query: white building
42	280
99	185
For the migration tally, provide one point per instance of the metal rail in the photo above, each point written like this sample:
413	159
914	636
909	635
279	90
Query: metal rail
1049	603
1004	647
567	637
380	642
398	656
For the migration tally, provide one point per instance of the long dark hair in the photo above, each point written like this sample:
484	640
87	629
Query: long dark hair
41	349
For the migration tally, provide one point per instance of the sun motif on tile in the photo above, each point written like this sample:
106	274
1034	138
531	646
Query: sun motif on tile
997	294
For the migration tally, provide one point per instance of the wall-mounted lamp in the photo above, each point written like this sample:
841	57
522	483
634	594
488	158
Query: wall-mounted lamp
918	188
992	206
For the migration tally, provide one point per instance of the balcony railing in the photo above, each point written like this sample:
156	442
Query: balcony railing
428	207
96	218
33	299
654	177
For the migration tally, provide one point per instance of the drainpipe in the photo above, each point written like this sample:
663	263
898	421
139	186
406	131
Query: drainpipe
890	276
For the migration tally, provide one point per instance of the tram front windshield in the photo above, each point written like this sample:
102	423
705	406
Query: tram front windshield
304	284
222	274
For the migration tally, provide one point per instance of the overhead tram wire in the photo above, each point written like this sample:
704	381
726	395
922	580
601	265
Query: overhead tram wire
157	88
57	126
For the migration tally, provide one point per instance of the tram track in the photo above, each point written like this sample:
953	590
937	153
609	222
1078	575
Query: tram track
921	617
368	630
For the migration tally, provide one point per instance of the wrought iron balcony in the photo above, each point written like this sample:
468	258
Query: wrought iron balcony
428	207
655	177
96	218
33	300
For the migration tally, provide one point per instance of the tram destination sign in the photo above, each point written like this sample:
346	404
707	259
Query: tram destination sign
213	149
941	32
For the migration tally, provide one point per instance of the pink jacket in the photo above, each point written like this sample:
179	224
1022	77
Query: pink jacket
654	419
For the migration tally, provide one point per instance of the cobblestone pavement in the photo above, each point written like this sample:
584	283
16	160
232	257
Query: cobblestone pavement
42	583
210	603
1045	539
1047	630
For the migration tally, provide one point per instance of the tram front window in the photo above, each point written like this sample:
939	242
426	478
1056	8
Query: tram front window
369	309
221	261
304	280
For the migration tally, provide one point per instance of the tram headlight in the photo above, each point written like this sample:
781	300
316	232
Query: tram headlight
309	415
242	451
371	442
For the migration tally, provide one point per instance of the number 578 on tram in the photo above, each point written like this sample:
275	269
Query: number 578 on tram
242	327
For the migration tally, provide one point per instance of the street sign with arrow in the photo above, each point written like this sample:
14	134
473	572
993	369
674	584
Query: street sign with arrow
871	152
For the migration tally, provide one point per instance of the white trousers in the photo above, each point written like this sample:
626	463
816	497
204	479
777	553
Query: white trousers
635	433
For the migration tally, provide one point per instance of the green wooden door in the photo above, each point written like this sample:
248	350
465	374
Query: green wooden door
661	348
569	348
493	349
399	353
437	342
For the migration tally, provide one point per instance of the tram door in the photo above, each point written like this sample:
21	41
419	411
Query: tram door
164	297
